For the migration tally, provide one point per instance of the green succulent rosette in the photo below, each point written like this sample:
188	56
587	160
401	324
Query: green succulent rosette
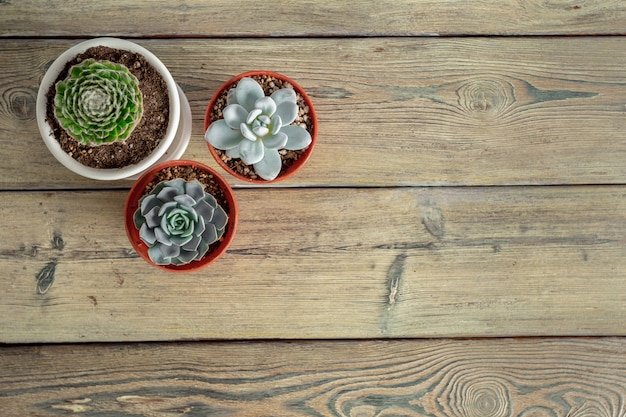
98	102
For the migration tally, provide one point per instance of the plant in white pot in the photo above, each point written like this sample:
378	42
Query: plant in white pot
109	109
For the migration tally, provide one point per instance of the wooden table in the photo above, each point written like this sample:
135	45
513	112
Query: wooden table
456	246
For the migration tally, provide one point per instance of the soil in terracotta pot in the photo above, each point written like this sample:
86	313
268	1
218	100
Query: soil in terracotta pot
147	134
188	173
269	85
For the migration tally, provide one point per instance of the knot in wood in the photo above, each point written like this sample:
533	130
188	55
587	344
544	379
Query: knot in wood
486	97
21	103
433	220
486	397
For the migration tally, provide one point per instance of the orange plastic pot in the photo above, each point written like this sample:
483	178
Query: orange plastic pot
132	203
299	163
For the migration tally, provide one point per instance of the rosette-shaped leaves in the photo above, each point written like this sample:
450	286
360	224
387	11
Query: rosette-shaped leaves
99	102
256	127
178	221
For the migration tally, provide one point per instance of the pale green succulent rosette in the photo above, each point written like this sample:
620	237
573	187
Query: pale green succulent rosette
178	221
99	102
256	127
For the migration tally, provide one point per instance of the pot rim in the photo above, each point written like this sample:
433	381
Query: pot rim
132	203
300	162
106	173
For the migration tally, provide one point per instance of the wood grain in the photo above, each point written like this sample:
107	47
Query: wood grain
446	112
459	378
382	238
326	263
304	18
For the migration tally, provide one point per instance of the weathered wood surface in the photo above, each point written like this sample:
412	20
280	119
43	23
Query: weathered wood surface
400	104
62	18
326	263
452	378
485	111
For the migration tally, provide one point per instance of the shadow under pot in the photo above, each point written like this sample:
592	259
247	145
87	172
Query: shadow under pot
109	109
261	127
181	216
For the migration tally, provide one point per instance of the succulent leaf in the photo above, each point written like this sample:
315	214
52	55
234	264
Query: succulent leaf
267	125
98	102
253	115
205	210
196	191
152	217
178	221
210	233
269	167
247	133
233	153
251	152
266	105
220	135
284	95
260	130
231	97
248	92
147	234
287	111
278	141
276	123
298	138
235	115
220	218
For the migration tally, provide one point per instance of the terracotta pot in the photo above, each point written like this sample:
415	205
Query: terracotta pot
297	165
171	146
132	203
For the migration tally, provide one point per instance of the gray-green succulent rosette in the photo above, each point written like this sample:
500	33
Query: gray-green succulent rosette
98	102
178	221
255	127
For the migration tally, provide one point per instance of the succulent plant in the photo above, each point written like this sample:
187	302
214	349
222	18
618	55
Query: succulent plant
255	127
98	102
178	221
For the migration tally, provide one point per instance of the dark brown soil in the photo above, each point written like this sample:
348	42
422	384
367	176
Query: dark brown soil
189	174
147	134
269	85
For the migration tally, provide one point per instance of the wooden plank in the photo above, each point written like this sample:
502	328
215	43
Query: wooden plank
508	377
392	111
326	263
61	18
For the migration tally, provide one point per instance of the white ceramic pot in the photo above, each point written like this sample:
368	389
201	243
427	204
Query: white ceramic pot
171	146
